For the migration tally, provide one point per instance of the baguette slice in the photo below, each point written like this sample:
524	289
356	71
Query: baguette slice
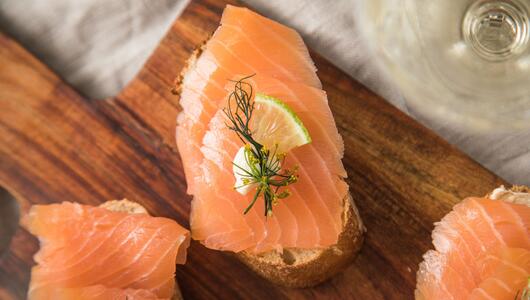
296	267
131	207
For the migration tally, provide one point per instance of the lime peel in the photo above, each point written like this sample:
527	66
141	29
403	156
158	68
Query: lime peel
274	120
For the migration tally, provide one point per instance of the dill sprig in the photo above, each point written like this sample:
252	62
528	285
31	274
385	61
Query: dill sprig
264	165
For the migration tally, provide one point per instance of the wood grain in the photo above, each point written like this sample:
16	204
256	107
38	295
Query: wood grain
59	146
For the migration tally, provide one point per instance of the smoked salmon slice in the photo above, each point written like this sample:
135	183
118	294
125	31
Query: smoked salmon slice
249	44
482	251
93	253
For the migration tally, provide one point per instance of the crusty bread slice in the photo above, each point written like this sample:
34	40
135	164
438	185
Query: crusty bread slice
296	267
131	207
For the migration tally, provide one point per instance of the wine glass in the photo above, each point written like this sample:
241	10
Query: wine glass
462	61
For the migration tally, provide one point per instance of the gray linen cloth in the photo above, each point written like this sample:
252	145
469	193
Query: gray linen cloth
99	45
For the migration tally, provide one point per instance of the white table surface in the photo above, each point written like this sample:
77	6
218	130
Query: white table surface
99	45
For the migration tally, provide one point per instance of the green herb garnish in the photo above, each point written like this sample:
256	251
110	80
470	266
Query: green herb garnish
264	164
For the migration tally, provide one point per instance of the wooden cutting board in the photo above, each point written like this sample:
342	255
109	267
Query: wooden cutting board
57	146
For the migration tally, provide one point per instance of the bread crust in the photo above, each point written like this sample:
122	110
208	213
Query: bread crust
520	189
190	63
301	268
124	205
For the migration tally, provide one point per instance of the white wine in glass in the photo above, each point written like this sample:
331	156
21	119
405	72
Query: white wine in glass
463	61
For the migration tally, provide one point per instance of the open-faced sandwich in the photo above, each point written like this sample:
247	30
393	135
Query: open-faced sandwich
482	250
262	154
115	251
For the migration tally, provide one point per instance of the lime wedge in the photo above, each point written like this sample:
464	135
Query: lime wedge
274	123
